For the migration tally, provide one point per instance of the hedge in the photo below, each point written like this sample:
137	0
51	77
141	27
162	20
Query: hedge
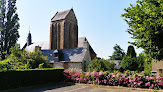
28	77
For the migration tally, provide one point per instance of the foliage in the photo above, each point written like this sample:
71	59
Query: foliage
146	26
9	26
127	79
4	65
29	77
147	63
118	53
140	63
21	59
100	65
131	51
129	63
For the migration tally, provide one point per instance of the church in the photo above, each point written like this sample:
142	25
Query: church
65	49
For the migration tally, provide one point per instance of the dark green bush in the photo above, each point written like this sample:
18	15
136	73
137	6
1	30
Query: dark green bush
100	65
28	77
129	63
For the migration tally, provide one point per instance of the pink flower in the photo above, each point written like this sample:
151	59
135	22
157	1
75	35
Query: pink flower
147	84
113	76
87	74
152	78
77	78
94	73
151	86
135	83
101	73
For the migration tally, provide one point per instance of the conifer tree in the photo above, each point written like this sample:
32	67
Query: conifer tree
9	26
118	53
131	51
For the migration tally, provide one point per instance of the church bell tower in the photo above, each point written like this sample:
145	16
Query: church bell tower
64	30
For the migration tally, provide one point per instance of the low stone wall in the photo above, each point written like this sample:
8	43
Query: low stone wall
58	65
157	66
74	66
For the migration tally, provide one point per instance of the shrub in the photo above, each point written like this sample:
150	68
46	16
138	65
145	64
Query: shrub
28	77
129	63
100	65
127	79
21	59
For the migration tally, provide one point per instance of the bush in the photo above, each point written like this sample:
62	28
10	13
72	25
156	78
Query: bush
100	65
127	79
21	59
129	63
4	65
27	77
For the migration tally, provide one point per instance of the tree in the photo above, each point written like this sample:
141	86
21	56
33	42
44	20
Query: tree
129	63
131	51
9	26
118	53
19	59
100	65
146	26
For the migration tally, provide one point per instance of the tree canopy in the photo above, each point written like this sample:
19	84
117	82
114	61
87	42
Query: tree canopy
19	59
145	20
118	53
9	26
100	65
131	51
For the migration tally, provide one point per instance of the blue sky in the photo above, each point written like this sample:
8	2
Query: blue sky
98	20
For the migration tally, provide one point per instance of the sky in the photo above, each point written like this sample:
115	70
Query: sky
99	21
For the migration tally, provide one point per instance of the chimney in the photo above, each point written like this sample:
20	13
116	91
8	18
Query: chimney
86	45
56	56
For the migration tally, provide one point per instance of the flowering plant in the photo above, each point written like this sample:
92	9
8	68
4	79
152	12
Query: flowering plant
136	80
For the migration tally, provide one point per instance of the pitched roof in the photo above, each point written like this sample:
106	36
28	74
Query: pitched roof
44	45
117	63
81	44
67	55
60	15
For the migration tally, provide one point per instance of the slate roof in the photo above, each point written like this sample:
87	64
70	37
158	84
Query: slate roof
67	55
81	44
60	15
117	64
44	46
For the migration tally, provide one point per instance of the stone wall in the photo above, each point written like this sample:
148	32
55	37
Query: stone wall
157	66
58	65
64	33
75	66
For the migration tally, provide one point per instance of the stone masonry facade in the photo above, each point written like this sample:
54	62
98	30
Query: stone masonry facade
64	33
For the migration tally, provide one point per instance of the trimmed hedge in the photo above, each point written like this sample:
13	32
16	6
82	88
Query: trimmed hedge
28	77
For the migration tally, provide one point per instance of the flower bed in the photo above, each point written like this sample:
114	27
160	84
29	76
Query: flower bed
136	80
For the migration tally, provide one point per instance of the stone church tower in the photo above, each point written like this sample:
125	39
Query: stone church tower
64	30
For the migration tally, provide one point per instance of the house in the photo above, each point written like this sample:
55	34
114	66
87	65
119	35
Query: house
65	49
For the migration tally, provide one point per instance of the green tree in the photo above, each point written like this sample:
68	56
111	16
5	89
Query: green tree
24	59
118	53
146	26
131	51
100	65
129	63
9	26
